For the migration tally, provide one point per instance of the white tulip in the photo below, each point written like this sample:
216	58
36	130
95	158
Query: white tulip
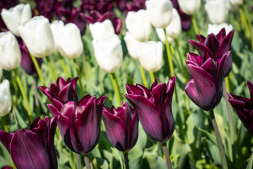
161	36
160	12
101	30
108	53
16	16
5	98
133	45
151	55
189	7
236	2
215	29
1	73
138	24
10	55
55	27
38	36
67	40
217	11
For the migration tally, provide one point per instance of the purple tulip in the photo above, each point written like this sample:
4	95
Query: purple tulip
121	126
61	92
244	108
154	108
33	148
130	5
205	87
216	46
79	123
46	8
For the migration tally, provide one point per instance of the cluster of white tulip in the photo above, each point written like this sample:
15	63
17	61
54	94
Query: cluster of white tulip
107	46
217	11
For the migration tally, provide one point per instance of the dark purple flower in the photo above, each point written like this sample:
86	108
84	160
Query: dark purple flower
61	92
244	108
154	108
6	167
205	87
46	8
215	46
33	148
121	126
79	123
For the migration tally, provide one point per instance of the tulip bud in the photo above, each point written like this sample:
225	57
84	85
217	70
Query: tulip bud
68	40
217	11
10	54
217	28
55	27
5	98
16	16
38	36
160	12
108	53
151	55
101	30
121	126
138	25
133	45
189	6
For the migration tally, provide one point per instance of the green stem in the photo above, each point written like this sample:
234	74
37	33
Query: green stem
243	21
4	124
166	154
169	55
249	24
181	61
80	77
126	160
87	161
116	87
218	137
64	67
152	77
51	69
38	69
143	76
194	23
24	95
78	161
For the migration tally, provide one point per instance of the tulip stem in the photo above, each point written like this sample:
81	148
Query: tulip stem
78	161
169	55
143	76
152	77
51	69
249	24
80	79
64	66
218	137
87	162
24	96
166	154
181	61
194	23
230	120
116	87
126	160
38	69
4	124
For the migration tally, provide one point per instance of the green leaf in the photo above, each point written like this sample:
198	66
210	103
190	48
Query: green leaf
212	150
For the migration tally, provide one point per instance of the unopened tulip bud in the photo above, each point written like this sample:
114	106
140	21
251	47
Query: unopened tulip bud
55	27
151	55
217	11
101	30
10	55
160	12
189	6
132	45
38	36
16	16
5	98
138	25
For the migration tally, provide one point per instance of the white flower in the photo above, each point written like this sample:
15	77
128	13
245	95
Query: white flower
10	55
133	45
161	36
38	36
5	98
151	55
138	24
217	11
215	29
108	53
160	12
16	16
67	39
189	7
101	30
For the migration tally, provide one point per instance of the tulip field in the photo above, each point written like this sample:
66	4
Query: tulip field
126	84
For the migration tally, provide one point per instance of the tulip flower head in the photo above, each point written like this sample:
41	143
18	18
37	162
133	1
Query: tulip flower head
244	108
133	45
101	30
189	7
215	46
10	53
5	98
121	126
160	12
37	36
16	16
33	148
153	108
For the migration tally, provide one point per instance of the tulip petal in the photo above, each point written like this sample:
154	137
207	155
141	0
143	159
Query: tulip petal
84	100
68	110
221	34
53	110
225	44
213	44
67	93
195	58
131	89
6	138
46	91
201	38
158	93
144	89
210	66
53	90
201	48
61	83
